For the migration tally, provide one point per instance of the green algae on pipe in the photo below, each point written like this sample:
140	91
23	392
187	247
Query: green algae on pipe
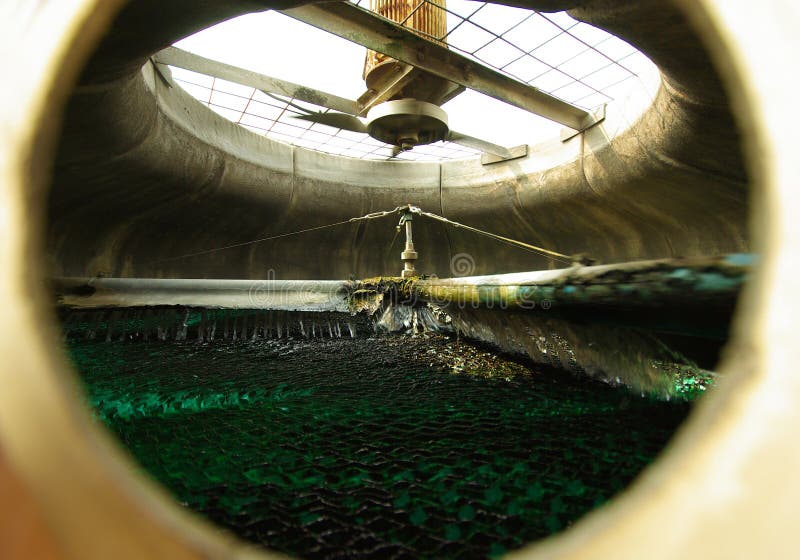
691	296
632	283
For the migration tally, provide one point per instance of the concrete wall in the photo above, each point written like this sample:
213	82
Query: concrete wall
145	173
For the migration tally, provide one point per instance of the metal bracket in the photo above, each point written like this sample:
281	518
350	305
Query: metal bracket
515	153
596	117
163	72
390	85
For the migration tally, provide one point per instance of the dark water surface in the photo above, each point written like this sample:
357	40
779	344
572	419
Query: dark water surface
384	447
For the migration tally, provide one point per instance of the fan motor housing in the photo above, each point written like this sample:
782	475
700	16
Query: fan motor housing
407	123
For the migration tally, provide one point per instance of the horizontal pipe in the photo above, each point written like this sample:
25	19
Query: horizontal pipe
683	296
289	295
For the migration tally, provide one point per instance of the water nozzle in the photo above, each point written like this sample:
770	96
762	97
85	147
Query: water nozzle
409	255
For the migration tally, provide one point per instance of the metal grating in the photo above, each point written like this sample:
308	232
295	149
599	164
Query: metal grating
420	447
570	60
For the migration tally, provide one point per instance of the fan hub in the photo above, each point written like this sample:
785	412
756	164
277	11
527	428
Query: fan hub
407	123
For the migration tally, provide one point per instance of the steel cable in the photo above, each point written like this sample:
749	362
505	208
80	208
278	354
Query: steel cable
380	214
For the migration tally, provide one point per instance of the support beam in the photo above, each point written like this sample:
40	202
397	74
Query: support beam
382	35
498	153
173	56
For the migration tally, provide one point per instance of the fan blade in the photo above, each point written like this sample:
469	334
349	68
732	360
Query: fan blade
336	120
396	151
173	56
478	144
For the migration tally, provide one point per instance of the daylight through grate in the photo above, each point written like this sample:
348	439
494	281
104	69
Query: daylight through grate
573	61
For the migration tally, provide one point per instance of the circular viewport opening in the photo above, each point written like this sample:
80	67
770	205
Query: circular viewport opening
332	413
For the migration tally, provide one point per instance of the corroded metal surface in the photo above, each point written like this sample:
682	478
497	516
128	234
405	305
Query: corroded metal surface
428	20
630	323
687	296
